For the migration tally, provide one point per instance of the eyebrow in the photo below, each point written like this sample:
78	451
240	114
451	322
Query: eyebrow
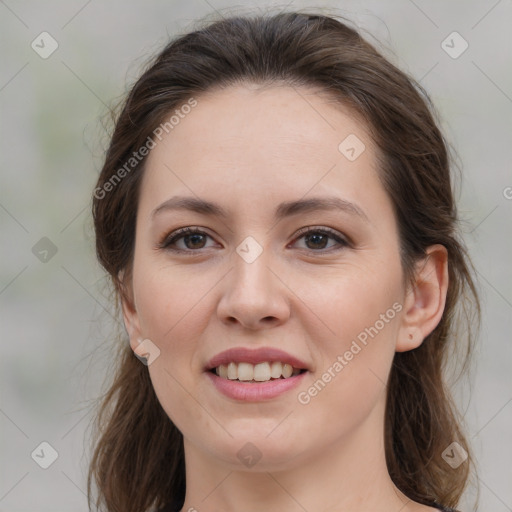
285	209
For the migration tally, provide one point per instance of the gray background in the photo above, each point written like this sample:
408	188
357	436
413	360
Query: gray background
55	316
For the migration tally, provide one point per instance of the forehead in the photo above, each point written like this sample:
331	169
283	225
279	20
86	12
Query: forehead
260	143
247	117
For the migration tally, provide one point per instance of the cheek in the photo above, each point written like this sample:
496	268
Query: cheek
362	313
173	314
175	307
349	303
171	303
351	380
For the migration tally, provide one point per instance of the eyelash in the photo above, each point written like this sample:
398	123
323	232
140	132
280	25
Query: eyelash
173	237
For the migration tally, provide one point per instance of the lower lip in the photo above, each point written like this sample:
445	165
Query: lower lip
252	391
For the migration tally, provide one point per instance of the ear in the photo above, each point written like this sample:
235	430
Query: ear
425	299
130	316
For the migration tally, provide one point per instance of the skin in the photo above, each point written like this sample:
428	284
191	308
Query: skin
249	148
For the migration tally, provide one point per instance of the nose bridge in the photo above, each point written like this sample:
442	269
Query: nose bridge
252	268
253	295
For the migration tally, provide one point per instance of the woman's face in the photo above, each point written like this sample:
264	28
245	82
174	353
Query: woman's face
278	270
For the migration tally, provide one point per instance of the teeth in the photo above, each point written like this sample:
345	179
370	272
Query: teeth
245	371
287	370
260	372
276	369
232	371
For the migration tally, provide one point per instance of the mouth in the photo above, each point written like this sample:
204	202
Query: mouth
246	382
254	373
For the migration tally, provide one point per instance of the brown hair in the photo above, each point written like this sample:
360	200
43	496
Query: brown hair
138	461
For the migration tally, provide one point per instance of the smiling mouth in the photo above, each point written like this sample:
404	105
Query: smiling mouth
260	372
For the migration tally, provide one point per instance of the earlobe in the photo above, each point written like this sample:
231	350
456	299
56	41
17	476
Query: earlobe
140	348
425	299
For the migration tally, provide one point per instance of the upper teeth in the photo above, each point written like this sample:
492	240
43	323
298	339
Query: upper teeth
259	372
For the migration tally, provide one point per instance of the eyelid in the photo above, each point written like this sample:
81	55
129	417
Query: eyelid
322	229
178	234
175	235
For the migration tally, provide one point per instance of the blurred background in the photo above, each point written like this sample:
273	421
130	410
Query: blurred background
63	64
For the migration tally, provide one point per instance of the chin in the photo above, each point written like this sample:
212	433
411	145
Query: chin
256	450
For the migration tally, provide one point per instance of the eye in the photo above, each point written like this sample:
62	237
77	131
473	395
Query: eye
193	238
316	239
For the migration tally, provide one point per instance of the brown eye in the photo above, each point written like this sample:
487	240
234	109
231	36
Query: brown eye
191	239
316	239
196	241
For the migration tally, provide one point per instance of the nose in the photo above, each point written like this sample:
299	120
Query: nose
254	296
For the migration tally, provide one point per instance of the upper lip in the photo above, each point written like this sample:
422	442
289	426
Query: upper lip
254	356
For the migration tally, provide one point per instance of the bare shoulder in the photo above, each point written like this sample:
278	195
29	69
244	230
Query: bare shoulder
426	508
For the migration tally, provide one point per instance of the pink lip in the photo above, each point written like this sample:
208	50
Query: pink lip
254	356
252	391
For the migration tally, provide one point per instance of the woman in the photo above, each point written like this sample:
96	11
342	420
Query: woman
276	214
